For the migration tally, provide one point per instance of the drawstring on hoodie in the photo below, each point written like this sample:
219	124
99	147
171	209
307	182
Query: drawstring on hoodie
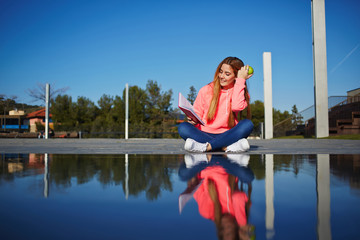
227	107
228	103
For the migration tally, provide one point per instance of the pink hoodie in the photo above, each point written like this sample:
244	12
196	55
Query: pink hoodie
230	202
231	99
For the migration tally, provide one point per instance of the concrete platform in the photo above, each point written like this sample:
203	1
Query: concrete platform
171	146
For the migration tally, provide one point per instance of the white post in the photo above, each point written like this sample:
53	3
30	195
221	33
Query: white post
320	68
126	176
46	175
323	196
127	111
47	104
269	196
268	95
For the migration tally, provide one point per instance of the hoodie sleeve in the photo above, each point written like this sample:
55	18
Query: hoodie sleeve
238	102
200	102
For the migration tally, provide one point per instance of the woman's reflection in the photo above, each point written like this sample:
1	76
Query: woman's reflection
213	181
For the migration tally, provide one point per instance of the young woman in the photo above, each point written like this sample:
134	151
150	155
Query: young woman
218	188
218	104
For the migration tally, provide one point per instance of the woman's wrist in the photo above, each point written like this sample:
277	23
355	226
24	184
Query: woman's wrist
240	81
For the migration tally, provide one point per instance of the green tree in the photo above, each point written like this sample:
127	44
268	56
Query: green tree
192	95
6	103
118	114
62	111
105	104
296	117
153	99
158	107
278	116
137	105
104	119
85	113
158	103
257	112
138	120
165	102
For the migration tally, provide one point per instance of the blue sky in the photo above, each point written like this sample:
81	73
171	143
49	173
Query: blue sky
96	47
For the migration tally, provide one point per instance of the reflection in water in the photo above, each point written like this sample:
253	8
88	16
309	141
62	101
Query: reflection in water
323	197
46	175
346	167
269	196
217	182
126	176
150	174
283	192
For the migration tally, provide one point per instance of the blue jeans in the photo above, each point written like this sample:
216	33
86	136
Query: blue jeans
217	141
245	174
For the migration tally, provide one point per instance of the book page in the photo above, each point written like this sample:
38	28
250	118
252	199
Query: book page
183	102
188	109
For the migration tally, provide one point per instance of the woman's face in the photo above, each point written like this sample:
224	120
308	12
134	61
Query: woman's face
229	227
226	76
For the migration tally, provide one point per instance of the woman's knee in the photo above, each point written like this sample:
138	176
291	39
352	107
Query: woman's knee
184	129
245	127
246	124
249	124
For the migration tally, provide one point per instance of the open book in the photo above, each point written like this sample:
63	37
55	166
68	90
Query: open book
185	197
188	109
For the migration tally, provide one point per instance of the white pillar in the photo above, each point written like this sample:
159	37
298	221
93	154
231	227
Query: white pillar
126	176
47	105
46	175
269	196
268	95
320	68
127	111
323	196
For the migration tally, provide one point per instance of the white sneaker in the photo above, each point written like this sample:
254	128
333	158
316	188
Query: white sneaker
240	159
193	146
240	146
192	160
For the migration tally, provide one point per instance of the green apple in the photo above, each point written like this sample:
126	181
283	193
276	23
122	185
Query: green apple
251	70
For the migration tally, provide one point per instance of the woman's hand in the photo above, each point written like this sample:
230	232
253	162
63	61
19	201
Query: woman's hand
189	120
243	73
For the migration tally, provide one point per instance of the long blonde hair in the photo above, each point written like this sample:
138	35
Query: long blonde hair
236	64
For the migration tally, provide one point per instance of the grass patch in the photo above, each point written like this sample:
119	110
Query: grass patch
292	137
349	137
344	137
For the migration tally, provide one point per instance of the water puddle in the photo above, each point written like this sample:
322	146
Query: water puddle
179	196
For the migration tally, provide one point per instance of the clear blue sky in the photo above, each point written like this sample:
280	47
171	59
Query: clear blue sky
96	47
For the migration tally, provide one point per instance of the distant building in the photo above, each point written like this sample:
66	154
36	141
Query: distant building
353	95
38	117
16	113
344	117
15	121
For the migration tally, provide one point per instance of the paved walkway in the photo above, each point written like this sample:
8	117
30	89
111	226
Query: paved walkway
171	146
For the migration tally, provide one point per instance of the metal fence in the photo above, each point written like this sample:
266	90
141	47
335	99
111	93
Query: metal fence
287	127
333	101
